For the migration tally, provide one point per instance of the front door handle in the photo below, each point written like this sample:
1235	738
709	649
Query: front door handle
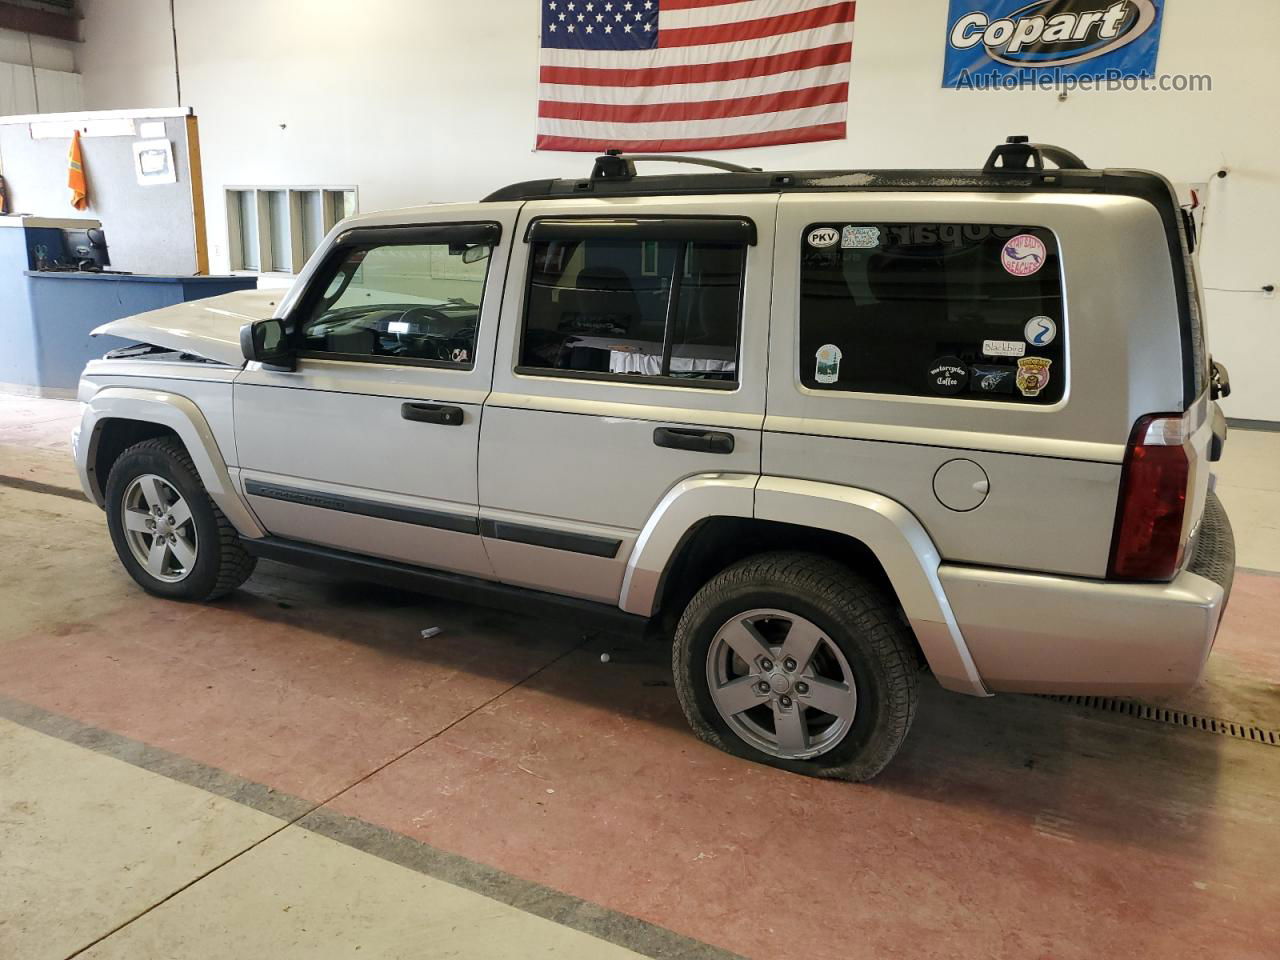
702	441
432	413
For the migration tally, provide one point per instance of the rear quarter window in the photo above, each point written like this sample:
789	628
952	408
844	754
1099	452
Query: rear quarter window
961	311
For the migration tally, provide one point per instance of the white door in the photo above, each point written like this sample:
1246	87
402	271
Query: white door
631	356
370	445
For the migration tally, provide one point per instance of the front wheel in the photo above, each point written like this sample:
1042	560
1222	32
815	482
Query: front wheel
793	660
170	536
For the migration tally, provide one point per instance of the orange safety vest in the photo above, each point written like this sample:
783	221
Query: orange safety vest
75	174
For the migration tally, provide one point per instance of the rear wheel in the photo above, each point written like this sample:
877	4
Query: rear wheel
168	533
793	660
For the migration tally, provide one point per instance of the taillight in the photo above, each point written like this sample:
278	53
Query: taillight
1147	543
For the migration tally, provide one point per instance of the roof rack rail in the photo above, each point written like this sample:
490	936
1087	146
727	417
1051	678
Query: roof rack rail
1018	155
616	165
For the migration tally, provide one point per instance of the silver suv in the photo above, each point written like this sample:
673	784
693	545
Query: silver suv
825	428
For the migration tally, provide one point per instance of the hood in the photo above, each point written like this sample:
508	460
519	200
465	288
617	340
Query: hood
208	328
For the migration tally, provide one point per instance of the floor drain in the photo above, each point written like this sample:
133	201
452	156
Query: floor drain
1175	718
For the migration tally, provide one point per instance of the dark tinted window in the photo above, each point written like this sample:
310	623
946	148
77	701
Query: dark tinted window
972	311
401	302
642	308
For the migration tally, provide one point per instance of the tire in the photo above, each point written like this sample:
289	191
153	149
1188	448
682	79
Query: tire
857	631
220	561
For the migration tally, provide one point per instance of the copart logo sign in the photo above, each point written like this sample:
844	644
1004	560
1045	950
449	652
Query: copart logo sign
1100	38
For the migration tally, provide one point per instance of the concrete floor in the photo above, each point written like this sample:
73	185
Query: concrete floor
294	772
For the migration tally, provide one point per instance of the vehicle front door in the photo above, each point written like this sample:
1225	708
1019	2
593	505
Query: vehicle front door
370	444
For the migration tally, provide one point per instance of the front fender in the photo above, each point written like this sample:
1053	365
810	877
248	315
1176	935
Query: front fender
184	418
903	547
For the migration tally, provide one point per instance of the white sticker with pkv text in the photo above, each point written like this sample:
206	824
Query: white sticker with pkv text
824	237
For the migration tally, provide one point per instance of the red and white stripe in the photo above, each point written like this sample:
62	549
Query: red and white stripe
725	74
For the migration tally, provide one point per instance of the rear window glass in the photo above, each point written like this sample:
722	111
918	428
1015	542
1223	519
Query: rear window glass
632	308
967	311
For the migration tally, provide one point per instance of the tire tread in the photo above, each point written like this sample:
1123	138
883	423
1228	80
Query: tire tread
853	600
235	564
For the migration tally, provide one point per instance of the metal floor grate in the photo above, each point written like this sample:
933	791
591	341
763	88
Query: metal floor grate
1176	718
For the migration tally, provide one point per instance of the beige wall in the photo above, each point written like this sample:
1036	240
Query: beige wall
424	100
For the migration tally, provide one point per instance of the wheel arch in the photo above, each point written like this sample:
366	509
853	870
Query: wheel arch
706	523
115	418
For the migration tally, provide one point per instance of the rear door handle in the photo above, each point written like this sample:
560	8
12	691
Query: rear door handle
432	413
702	441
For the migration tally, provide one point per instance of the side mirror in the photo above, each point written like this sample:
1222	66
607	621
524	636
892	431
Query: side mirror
267	342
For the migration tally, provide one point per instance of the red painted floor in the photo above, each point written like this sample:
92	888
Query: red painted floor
1010	828
1013	827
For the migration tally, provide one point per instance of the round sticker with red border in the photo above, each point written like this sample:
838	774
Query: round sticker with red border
1023	255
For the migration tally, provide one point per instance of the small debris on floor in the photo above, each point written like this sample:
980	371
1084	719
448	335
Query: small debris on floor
604	658
430	632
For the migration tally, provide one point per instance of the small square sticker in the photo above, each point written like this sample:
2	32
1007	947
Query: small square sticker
859	238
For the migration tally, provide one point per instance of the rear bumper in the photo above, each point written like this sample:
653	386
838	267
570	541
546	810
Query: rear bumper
1032	633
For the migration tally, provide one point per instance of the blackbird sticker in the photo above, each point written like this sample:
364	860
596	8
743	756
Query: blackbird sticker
1040	331
1023	255
1033	375
948	376
1003	348
828	363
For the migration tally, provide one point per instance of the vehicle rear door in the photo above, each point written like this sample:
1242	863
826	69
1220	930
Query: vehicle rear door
631	356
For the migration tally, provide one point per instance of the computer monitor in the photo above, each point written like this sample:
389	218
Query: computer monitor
86	249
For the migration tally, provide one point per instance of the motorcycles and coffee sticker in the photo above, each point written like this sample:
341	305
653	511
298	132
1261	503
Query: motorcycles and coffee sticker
948	376
1023	255
828	363
992	44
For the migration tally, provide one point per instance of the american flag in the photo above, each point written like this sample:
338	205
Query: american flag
692	74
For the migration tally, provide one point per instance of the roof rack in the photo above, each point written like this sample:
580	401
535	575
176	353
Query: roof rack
616	165
1018	155
1015	165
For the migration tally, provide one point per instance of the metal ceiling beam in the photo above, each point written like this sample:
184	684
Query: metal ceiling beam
45	23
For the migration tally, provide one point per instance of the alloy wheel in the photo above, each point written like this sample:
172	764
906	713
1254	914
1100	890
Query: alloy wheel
159	528
781	684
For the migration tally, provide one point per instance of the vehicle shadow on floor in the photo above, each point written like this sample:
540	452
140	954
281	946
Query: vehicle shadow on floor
1067	773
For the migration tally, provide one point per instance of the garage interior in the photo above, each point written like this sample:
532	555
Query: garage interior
318	766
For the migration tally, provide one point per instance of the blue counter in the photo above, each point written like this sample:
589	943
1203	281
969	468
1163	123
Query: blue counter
45	317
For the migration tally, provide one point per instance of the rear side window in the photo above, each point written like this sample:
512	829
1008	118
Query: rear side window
622	308
966	311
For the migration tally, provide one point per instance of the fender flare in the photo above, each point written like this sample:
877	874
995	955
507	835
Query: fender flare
183	417
687	503
905	550
898	540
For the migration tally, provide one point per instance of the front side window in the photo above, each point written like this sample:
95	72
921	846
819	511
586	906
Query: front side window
969	311
410	302
621	307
